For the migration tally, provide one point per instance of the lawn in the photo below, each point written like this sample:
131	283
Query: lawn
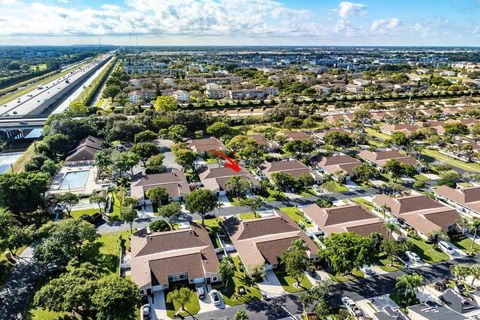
364	203
427	252
214	227
289	284
310	192
248	216
274	195
377	134
106	252
466	244
40	314
297	215
115	211
338	188
348	277
230	293
77	214
193	307
385	264
473	167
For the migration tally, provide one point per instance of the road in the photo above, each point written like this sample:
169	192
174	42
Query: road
361	289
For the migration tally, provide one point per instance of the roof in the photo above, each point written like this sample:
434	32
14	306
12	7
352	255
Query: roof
174	182
435	313
457	302
460	195
215	179
382	156
263	240
422	213
205	145
292	167
158	255
323	133
347	218
337	163
86	150
297	135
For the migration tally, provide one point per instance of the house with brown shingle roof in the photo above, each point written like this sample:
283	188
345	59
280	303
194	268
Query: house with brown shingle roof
267	145
174	182
407	129
423	214
466	199
215	179
262	241
292	167
161	259
84	153
203	146
322	133
296	135
338	163
345	218
334	118
380	157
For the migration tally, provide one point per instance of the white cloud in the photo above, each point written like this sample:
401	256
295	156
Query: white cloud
385	25
346	9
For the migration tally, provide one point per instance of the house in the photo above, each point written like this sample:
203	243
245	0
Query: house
320	134
423	312
292	167
322	89
353	88
267	145
345	218
203	146
296	135
407	129
174	182
162	259
380	157
169	81
215	179
334	118
181	95
466	199
459	303
84	153
138	96
423	214
338	163
261	242
215	91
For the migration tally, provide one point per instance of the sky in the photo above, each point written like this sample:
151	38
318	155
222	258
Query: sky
241	22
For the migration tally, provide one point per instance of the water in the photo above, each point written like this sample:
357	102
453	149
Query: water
74	180
7	159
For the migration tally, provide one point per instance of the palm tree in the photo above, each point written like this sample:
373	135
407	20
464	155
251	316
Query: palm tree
390	227
407	285
474	226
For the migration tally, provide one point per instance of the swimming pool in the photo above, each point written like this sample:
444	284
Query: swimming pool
74	180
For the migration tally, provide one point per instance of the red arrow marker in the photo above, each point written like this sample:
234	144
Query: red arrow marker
232	164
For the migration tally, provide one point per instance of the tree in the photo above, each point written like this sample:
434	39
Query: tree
474	226
407	284
455	129
283	181
77	108
171	211
145	150
324	202
299	146
399	139
220	129
166	104
99	200
124	162
394	167
315	294
154	164
365	172
158	195
449	178
185	158
295	261
129	214
64	241
346	251
102	160
393	249
181	296
237	186
338	139
226	270
145	136
201	201
177	132
69	200
254	203
159	226
240	315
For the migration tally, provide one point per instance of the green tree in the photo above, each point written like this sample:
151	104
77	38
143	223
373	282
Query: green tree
220	129
324	202
226	270
166	104
69	200
338	139
407	284
254	203
299	147
99	200
145	150
129	214
393	249
399	139
171	211
124	162
145	136
240	315
177	132
201	201
76	108
159	226
237	186
394	167
185	158
365	173
158	195
181	296
455	129
295	261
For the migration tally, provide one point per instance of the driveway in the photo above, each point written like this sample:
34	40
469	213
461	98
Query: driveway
271	286
206	304
165	146
158	305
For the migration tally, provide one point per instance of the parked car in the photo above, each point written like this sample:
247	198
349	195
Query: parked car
413	256
446	247
441	286
216	297
352	307
200	289
460	288
146	312
368	271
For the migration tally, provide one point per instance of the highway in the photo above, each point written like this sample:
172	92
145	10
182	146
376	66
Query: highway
46	96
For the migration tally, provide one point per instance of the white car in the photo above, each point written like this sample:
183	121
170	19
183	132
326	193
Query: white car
216	297
412	256
446	247
352	307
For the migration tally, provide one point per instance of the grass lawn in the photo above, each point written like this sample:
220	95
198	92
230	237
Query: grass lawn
297	215
339	188
377	134
427	252
115	211
348	277
214	227
466	245
106	252
310	192
273	195
230	293
385	264
193	306
289	284
77	214
40	314
472	167
248	216
364	203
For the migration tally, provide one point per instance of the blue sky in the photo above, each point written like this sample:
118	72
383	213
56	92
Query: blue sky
241	22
